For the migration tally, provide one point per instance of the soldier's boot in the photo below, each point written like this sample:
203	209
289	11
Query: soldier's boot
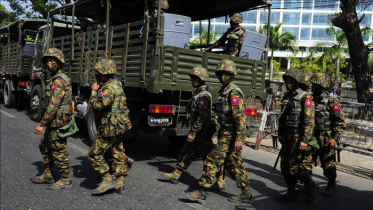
60	184
313	188
130	162
218	185
119	186
302	190
46	177
330	189
244	197
106	184
290	196
197	195
172	177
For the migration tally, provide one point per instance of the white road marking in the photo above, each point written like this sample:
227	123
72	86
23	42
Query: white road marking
12	116
197	206
84	151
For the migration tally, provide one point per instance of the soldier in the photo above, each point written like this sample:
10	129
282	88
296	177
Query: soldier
234	35
232	120
154	8
330	124
305	83
111	103
58	114
296	126
201	131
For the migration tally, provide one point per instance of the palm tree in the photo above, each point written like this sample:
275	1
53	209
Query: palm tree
280	41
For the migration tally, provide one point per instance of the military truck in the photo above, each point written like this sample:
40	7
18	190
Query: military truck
152	57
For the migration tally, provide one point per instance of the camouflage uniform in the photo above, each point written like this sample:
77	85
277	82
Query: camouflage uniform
330	124
154	12
235	37
58	114
306	85
112	106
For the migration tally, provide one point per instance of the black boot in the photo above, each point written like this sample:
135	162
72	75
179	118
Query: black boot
330	189
130	162
312	189
290	196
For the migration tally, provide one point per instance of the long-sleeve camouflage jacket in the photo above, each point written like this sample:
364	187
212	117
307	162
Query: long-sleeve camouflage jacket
202	113
235	38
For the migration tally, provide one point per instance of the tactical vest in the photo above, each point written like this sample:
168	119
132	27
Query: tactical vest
322	116
234	40
224	109
293	117
193	104
115	118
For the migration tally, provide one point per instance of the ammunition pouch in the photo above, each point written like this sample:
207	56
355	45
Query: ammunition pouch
68	130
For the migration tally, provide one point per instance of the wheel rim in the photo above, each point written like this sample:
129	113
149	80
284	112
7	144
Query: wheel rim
35	103
95	122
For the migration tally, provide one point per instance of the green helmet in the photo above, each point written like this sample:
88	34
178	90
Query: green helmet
306	80
236	18
106	66
294	73
164	4
53	53
226	65
321	79
200	72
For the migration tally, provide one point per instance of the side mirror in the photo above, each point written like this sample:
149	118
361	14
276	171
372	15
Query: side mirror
22	40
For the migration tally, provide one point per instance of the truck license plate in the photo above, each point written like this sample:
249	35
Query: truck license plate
159	120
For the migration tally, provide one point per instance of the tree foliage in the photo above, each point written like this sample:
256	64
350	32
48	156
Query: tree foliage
6	16
213	37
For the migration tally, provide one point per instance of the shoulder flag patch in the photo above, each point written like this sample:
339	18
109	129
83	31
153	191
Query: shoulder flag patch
234	101
102	92
201	102
53	86
336	108
308	102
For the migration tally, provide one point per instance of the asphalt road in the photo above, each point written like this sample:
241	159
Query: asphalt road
21	160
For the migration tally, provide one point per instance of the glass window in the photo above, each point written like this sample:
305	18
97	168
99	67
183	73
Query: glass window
365	38
307	4
291	18
292	4
249	17
366	20
306	18
196	29
320	34
292	30
275	17
366	5
220	20
250	28
276	4
326	5
305	33
221	29
321	19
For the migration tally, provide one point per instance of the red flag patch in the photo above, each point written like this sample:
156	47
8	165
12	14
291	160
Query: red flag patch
308	102
201	103
53	86
336	108
243	35
234	101
102	92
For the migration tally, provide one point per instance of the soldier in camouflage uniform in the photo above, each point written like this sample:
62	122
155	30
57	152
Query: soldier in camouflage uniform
232	120
110	100
305	83
330	124
234	35
58	114
201	131
295	131
154	8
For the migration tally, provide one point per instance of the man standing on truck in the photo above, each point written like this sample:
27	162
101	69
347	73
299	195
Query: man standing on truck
58	114
232	120
234	35
154	7
110	100
201	131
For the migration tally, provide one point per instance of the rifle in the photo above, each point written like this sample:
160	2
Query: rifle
278	157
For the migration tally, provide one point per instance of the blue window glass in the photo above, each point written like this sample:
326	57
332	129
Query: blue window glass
326	5
307	4
320	34
305	33
365	38
221	29
196	30
292	4
366	5
321	19
220	19
366	20
275	17
292	30
250	28
276	4
306	18
291	18
249	17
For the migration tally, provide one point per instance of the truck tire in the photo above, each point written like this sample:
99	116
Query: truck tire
93	122
36	104
177	140
10	97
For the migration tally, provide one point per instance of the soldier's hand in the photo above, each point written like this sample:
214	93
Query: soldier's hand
190	138
332	143
303	146
238	146
233	55
39	129
95	86
207	49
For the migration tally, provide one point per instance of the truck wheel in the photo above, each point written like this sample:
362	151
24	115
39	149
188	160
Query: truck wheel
9	96
177	140
93	122
36	104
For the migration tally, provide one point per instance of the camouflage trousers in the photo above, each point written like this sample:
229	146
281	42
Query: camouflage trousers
223	154
326	155
54	150
295	163
107	155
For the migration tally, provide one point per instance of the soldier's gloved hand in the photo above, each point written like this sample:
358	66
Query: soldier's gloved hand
303	146
95	86
238	146
190	138
332	143
39	129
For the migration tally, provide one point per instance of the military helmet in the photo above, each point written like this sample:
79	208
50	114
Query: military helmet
164	4
200	72
295	73
306	80
226	65
236	17
53	53
106	66
321	79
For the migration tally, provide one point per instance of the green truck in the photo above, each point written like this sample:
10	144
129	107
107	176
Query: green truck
152	65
